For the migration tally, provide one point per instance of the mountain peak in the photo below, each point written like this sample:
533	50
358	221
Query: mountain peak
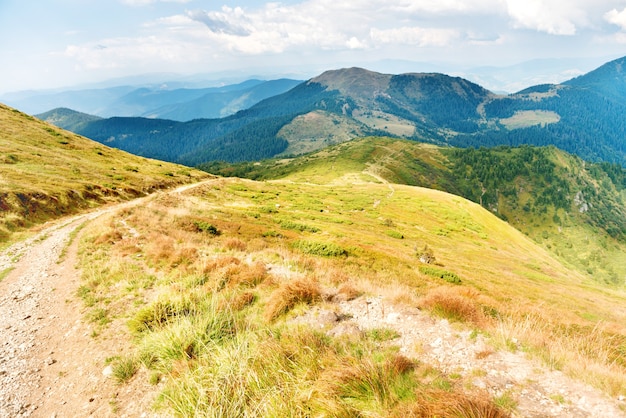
353	81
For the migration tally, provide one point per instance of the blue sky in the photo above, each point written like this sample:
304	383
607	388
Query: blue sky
59	43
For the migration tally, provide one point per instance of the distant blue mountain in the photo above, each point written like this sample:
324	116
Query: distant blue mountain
180	104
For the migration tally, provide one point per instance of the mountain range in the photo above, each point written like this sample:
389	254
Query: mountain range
156	101
584	116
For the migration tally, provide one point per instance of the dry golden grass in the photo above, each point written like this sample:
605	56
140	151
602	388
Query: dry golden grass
439	403
235	244
283	299
594	354
510	289
456	304
348	291
241	300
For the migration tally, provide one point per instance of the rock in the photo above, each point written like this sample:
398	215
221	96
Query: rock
325	317
108	371
348	329
393	318
436	343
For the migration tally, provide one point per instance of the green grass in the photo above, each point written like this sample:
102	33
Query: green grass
212	317
441	274
524	119
4	273
526	200
324	249
78	173
124	369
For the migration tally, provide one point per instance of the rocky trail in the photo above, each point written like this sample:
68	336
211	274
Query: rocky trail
537	391
51	366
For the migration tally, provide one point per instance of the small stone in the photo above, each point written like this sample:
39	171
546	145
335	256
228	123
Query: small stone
436	343
108	371
50	361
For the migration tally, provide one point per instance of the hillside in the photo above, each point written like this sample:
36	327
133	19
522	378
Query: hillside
288	296
330	291
47	173
583	116
553	197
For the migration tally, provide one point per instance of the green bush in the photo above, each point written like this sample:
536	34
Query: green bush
395	234
297	226
324	249
202	226
440	274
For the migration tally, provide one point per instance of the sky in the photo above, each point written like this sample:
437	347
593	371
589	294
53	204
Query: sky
62	43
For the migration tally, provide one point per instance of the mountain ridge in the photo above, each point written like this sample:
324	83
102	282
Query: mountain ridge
430	107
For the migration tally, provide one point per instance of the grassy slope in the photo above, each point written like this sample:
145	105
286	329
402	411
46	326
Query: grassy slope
217	322
46	172
574	239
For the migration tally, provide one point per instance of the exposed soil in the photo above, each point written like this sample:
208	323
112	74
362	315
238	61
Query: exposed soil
50	364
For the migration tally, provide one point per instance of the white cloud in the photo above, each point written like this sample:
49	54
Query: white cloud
318	27
445	6
354	43
616	18
229	21
555	17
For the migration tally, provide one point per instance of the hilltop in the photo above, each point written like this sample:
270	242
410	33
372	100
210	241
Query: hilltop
47	173
582	116
555	198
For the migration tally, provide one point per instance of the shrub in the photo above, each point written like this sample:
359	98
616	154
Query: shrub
395	234
441	274
324	249
203	226
297	226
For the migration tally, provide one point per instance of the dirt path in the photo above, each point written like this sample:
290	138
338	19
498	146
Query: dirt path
50	365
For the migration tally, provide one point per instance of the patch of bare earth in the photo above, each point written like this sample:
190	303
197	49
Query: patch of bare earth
457	351
50	364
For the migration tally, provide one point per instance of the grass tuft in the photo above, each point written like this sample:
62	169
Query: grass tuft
283	299
124	369
453	305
